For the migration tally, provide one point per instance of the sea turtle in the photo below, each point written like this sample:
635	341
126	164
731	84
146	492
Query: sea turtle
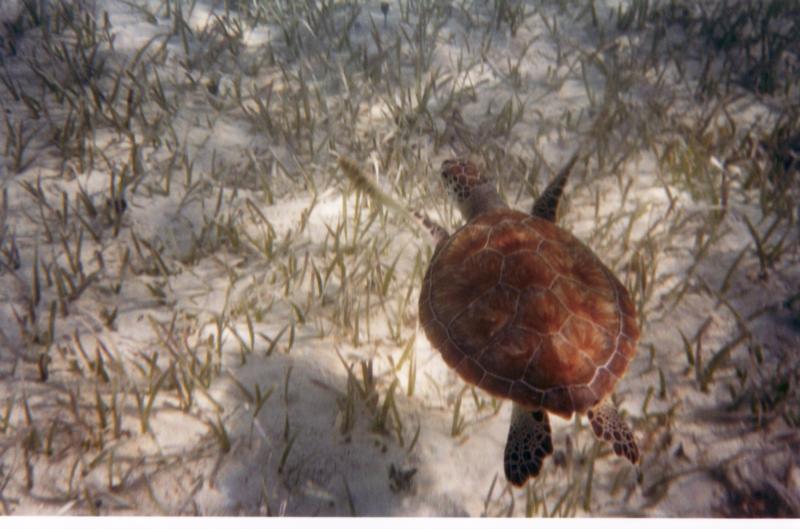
525	311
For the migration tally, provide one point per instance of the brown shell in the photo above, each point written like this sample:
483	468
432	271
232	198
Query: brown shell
524	310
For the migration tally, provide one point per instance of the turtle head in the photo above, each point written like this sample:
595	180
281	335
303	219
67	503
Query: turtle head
473	193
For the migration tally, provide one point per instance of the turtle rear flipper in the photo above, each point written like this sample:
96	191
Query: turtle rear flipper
528	444
608	426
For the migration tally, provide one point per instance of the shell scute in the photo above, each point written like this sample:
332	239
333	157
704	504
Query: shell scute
599	307
483	319
469	240
558	256
461	283
559	364
511	353
542	311
582	397
603	381
508	237
617	363
470	370
495	385
585	337
545	229
523	392
526	270
558	401
588	271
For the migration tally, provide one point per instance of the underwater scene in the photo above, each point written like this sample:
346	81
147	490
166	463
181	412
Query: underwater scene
400	258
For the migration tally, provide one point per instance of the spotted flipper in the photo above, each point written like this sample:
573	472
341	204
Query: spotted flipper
527	445
610	427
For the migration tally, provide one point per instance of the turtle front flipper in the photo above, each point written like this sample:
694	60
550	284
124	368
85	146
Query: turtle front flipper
546	206
437	233
609	426
528	444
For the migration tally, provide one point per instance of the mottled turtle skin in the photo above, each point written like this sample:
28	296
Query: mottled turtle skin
522	309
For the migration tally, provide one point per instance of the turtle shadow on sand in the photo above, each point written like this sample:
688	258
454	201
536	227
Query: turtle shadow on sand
295	457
